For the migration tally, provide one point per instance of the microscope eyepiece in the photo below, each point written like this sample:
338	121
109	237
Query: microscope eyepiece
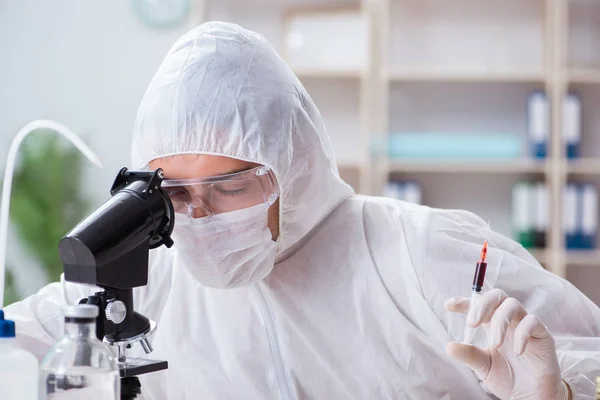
110	247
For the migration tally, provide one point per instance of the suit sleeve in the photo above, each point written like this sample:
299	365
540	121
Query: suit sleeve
453	240
39	318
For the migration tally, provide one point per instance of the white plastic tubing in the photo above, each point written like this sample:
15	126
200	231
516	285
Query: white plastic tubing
8	175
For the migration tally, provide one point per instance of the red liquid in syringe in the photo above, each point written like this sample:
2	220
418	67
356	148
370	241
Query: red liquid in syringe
479	276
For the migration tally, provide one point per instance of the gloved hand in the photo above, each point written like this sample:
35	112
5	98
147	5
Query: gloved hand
520	360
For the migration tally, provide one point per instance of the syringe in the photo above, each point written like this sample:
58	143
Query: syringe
478	280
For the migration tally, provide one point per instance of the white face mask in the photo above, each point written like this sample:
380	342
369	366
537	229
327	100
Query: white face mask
226	250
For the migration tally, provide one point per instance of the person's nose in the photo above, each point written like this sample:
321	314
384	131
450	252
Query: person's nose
198	212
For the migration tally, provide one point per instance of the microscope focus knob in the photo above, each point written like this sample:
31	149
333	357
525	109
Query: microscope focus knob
116	311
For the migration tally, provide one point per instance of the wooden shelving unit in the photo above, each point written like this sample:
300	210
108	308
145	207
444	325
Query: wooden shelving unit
400	75
548	24
435	65
584	166
584	75
583	258
461	167
328	74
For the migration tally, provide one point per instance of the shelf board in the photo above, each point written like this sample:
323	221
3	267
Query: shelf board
400	75
329	74
584	75
583	257
449	167
583	166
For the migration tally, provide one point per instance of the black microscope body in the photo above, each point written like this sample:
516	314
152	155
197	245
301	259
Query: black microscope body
110	249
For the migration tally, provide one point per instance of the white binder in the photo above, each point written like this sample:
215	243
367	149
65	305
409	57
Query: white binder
572	124
539	123
570	219
413	193
589	216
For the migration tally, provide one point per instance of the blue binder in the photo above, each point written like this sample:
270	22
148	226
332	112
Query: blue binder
572	124
588	223
570	216
539	123
409	191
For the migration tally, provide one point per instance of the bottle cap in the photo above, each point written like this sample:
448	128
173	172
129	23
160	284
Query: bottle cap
7	327
81	311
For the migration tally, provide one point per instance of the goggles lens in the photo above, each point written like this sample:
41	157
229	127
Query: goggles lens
224	193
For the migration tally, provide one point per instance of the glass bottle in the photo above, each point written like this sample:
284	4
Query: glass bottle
80	366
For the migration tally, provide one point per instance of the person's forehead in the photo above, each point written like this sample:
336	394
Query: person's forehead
190	166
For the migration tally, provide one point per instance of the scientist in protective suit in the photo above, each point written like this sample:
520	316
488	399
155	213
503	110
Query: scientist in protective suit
285	284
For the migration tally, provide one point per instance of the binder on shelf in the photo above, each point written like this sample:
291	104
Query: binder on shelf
570	216
589	216
413	193
572	124
541	209
457	146
538	111
408	191
393	190
522	221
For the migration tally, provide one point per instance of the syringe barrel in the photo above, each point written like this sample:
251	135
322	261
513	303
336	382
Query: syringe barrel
479	276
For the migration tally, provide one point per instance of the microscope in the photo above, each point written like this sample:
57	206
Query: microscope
110	249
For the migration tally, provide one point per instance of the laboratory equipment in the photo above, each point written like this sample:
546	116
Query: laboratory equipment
18	368
478	279
8	174
110	249
79	366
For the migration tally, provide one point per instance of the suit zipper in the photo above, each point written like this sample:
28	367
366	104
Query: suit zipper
284	385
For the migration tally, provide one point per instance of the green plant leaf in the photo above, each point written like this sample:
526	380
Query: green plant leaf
46	196
10	292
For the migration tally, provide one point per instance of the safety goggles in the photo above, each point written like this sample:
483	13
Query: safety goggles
224	193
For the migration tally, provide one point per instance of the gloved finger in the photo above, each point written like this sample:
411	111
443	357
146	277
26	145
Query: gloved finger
477	359
457	305
510	311
483	308
529	327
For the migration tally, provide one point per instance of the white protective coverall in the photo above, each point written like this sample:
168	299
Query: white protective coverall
354	307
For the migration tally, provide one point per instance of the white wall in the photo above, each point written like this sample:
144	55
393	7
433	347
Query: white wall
85	64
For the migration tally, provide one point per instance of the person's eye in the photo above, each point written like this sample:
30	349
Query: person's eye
230	190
